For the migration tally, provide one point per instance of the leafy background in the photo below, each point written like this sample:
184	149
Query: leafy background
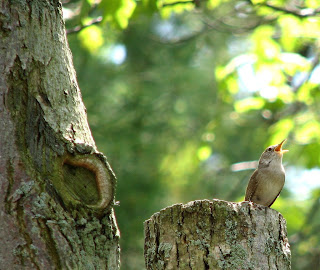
183	95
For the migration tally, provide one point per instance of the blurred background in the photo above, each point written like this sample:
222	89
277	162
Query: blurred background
183	97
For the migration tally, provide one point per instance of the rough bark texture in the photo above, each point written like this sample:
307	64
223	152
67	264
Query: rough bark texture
216	235
57	190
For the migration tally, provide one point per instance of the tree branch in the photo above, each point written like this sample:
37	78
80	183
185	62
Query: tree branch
78	28
302	13
306	12
314	64
178	3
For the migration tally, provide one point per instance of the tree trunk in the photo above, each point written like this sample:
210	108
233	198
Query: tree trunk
216	235
57	190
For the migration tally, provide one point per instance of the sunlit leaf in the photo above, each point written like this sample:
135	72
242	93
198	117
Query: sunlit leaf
270	73
213	4
308	132
292	63
312	3
117	12
247	104
257	1
304	93
172	6
281	130
285	94
204	152
311	28
291	30
91	38
265	46
235	63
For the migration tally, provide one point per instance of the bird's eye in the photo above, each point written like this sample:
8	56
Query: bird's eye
269	149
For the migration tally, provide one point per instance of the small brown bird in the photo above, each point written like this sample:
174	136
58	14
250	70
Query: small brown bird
267	181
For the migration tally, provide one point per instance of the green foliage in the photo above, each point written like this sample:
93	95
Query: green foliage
247	104
202	86
170	6
91	38
117	12
293	211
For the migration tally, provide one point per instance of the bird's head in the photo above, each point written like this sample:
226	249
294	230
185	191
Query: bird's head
272	153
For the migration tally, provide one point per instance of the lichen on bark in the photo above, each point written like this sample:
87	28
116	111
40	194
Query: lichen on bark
51	217
216	235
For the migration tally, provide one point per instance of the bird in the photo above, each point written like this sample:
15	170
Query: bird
268	179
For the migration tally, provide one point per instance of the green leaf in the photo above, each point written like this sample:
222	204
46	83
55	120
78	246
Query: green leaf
312	3
171	6
150	6
291	29
265	47
304	95
285	94
247	104
91	38
204	152
281	130
293	63
236	62
271	73
213	4
118	12
255	2
308	132
85	8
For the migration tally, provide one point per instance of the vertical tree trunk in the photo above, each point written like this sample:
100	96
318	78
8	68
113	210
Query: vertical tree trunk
57	190
216	235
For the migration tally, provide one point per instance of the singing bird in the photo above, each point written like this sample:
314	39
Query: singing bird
267	181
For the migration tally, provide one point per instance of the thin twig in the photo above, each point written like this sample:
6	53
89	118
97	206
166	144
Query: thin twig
314	63
306	12
78	28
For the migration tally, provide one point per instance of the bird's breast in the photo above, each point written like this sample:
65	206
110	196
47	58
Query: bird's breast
269	185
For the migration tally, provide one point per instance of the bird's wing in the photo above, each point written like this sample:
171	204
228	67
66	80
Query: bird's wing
274	199
278	193
252	186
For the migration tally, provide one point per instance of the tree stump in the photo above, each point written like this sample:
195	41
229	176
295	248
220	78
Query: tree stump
215	234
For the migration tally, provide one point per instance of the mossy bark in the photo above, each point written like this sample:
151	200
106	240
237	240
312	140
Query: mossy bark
203	235
57	190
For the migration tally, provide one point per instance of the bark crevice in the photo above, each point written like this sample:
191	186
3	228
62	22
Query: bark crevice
46	221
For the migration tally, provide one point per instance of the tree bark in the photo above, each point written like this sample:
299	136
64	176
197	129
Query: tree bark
57	190
216	235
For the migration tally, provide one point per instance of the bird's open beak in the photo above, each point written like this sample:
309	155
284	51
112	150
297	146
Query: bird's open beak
279	148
